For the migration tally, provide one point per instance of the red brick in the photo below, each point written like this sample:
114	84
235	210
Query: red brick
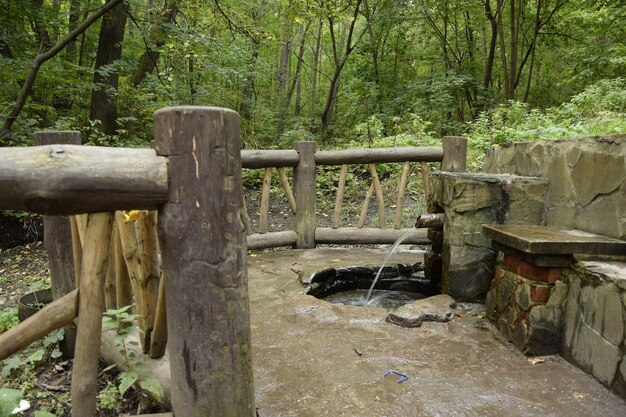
530	271
539	294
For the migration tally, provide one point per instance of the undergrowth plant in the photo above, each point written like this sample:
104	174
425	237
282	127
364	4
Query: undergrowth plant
123	322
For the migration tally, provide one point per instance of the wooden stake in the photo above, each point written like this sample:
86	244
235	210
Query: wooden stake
401	191
110	281
158	341
55	315
265	200
91	303
340	191
379	196
77	249
124	292
284	182
305	190
149	272
366	206
426	181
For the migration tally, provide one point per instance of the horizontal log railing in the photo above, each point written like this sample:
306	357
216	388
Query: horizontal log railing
304	160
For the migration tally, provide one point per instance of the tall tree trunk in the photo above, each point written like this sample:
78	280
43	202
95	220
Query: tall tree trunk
103	106
315	58
505	68
281	75
248	89
300	56
340	60
156	38
74	16
5	49
493	40
39	26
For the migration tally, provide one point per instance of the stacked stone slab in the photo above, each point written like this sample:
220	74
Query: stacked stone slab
587	179
594	320
470	200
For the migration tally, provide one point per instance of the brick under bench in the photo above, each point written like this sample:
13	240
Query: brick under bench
527	297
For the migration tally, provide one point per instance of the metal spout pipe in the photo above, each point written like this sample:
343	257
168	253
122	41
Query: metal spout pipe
432	221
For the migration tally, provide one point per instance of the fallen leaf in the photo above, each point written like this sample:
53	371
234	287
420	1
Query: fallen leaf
535	361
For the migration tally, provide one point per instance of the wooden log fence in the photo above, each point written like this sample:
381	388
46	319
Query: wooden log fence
113	257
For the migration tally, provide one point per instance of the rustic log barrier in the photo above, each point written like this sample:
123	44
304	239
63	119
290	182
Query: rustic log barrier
195	183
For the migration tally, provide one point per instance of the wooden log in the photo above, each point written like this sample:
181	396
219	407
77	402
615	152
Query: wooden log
55	315
272	240
90	306
158	339
149	272
340	191
130	251
124	292
380	155
356	236
57	236
265	200
269	158
454	154
70	179
206	282
284	182
426	182
366	206
77	248
433	221
305	189
406	168
380	202
110	281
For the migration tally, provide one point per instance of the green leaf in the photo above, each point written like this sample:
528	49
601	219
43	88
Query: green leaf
9	399
127	379
43	414
36	356
153	387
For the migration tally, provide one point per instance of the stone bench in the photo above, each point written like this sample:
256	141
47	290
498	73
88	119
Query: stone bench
545	301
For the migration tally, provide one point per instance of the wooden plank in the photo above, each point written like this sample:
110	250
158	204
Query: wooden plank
265	200
269	158
272	240
553	240
454	154
55	315
284	182
340	191
365	207
204	258
70	179
356	236
380	155
380	202
90	306
406	168
305	188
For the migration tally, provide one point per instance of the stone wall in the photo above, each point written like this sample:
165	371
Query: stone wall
594	321
587	179
470	200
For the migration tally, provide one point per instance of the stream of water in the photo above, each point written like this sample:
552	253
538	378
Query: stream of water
394	247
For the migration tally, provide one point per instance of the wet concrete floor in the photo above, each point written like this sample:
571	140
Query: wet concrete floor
313	358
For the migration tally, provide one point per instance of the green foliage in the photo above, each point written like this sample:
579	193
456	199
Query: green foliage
34	356
8	319
123	322
9	400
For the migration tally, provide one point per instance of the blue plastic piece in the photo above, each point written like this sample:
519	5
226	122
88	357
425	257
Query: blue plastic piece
403	377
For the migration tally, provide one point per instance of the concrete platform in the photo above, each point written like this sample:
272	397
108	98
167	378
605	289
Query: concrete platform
312	358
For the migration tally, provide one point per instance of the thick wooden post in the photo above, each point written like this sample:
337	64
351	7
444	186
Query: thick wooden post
304	189
204	259
90	306
454	154
57	236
